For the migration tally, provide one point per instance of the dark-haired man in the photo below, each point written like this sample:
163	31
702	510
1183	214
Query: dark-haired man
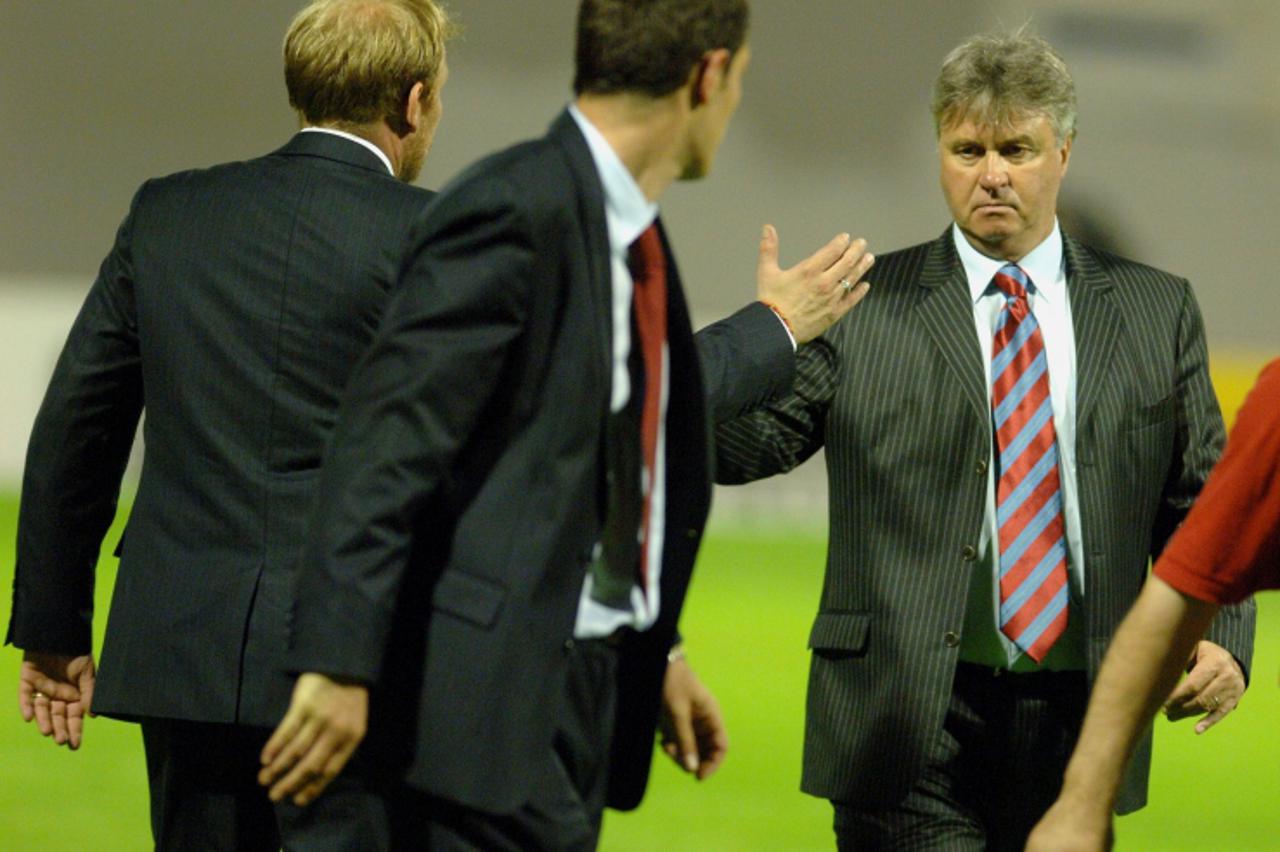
518	483
1014	424
220	311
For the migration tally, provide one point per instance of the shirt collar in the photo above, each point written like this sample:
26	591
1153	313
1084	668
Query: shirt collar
627	212
1043	266
386	161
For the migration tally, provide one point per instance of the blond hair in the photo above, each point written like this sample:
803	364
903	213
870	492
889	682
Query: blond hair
353	62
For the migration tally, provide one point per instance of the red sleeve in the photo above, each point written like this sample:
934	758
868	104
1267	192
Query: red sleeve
1229	544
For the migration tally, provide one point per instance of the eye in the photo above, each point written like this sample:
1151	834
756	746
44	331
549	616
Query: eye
1015	151
968	151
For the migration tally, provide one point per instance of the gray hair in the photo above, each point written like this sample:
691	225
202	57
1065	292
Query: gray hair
1000	79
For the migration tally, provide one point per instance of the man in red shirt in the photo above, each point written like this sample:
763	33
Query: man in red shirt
1228	547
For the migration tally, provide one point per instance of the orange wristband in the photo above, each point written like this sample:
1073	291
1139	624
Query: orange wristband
771	306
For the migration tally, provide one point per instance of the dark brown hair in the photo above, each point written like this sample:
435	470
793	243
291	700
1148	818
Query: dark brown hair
650	46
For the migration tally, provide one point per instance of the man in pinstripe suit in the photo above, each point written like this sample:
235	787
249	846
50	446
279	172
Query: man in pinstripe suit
946	691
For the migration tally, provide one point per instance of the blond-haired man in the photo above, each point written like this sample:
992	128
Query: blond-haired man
231	308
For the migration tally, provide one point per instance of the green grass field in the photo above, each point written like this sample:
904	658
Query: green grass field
747	621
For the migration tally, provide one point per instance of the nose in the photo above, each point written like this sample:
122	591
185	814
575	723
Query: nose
994	172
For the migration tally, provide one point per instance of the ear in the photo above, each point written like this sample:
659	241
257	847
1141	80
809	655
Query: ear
708	76
413	106
1065	153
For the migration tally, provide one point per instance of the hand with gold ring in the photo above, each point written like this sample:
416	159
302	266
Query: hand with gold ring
56	691
1212	688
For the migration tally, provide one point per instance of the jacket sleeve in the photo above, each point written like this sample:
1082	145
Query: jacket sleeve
1198	442
747	359
75	460
782	434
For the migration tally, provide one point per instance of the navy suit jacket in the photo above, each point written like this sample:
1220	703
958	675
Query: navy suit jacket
231	309
463	492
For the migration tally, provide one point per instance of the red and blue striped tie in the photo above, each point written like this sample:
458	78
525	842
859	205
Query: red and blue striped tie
1033	555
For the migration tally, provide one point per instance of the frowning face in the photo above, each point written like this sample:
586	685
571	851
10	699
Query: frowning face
1002	183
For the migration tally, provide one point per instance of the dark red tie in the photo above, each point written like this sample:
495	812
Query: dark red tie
649	272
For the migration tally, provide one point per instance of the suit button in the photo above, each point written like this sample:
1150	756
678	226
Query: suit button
968	553
691	533
951	638
568	645
981	467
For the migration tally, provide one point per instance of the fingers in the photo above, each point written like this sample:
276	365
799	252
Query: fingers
44	720
1183	700
686	744
58	715
854	262
86	696
297	764
768	262
75	724
1213	687
57	690
713	742
322	779
26	705
287	745
831	255
319	765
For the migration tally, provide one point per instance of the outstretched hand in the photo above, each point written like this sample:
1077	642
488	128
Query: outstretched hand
56	690
818	290
325	722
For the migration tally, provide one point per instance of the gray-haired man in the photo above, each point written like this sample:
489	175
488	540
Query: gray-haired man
1014	423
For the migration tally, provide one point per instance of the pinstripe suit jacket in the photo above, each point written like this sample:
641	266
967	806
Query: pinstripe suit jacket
896	394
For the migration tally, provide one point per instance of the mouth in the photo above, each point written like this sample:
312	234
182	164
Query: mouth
993	209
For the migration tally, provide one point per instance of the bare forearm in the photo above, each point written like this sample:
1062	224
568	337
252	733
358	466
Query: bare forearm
1146	656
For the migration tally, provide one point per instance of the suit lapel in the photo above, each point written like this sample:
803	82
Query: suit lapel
945	309
565	133
1096	318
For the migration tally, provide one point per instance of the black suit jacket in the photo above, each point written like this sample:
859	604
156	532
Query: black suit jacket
462	494
896	394
231	308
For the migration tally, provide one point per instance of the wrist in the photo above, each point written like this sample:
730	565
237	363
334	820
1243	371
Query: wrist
676	654
777	311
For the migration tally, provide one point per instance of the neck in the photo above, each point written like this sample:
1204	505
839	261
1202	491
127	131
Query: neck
378	134
647	134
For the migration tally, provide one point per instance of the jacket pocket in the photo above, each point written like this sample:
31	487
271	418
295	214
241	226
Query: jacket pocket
469	597
840	633
1150	415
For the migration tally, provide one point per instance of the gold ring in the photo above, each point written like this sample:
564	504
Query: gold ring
1214	702
846	284
38	694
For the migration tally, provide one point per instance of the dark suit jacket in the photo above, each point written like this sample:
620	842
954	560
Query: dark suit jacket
896	395
462	494
232	308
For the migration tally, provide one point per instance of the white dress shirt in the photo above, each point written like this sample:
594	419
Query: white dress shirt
1047	296
627	215
386	161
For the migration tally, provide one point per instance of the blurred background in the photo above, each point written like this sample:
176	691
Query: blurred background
1175	164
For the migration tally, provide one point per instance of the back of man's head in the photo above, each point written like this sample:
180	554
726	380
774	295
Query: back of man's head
351	63
1000	79
649	47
